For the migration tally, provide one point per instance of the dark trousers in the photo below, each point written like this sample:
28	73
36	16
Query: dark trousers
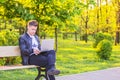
46	59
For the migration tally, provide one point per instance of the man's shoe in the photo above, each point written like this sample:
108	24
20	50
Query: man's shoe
53	72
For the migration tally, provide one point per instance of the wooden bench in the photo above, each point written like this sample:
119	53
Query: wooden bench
10	51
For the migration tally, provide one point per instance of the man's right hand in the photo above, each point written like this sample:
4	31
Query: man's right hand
36	51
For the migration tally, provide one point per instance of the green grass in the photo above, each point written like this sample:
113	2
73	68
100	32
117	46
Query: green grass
72	57
21	74
77	57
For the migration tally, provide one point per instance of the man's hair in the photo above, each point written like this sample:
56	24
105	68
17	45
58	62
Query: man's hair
32	23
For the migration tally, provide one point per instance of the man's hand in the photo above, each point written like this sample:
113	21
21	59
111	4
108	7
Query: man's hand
36	51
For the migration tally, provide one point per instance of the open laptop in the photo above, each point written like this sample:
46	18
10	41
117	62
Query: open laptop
47	44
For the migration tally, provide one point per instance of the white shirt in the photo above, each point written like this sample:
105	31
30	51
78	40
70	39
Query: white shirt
34	43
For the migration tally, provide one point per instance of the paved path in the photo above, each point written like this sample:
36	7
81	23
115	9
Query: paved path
106	74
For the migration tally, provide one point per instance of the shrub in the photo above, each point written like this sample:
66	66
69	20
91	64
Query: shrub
2	61
104	49
9	38
13	60
100	36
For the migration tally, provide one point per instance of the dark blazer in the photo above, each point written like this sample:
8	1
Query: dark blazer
25	44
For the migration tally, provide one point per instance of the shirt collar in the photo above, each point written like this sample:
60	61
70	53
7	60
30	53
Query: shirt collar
30	35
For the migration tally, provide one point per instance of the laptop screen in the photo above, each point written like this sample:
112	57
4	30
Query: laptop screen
47	44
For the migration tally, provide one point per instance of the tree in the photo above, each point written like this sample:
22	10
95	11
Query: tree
15	10
86	17
54	14
117	40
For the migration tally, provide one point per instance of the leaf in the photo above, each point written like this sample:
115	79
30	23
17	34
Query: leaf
3	1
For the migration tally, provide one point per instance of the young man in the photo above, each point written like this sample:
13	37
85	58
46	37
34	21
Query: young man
30	48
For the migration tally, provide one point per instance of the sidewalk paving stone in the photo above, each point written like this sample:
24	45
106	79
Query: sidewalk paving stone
106	74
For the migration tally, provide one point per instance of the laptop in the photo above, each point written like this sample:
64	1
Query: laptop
47	44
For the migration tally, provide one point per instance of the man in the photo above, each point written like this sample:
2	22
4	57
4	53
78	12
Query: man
30	47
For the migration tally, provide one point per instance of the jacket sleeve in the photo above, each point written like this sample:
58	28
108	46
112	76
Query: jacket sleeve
24	48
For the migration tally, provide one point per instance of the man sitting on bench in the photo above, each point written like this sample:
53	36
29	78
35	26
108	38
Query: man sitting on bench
30	48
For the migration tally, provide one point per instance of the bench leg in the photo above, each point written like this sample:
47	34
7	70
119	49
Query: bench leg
41	75
46	75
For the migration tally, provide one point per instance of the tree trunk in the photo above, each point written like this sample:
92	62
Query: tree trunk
117	23
117	38
97	15
107	20
75	36
56	39
86	27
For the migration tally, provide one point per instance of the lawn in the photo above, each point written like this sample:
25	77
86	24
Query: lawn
72	57
77	57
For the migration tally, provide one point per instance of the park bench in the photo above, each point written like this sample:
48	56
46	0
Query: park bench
10	51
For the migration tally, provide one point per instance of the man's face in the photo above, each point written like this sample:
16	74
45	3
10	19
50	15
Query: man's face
32	30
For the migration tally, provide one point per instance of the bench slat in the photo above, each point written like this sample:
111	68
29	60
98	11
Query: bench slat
16	67
7	51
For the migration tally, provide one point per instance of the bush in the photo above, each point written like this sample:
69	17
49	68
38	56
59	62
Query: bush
104	49
9	38
2	61
13	60
100	36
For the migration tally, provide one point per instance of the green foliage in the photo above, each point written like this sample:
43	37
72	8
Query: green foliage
15	9
2	61
100	36
56	13
12	60
2	1
9	38
104	49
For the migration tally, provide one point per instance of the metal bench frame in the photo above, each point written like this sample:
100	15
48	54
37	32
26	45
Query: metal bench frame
9	51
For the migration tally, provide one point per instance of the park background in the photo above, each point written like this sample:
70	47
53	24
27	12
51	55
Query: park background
81	28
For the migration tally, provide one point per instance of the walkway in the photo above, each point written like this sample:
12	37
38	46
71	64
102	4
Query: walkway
106	74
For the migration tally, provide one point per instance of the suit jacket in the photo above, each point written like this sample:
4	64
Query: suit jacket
25	45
